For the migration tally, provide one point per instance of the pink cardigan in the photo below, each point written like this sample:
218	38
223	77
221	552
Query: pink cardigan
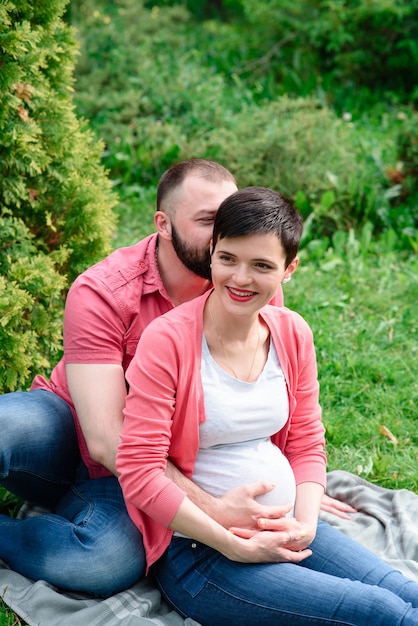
165	406
107	308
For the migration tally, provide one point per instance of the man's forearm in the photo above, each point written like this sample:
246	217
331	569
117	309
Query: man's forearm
239	507
207	503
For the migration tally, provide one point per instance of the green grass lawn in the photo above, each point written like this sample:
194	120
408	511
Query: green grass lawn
363	312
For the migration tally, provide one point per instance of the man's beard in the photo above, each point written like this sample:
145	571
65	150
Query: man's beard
195	260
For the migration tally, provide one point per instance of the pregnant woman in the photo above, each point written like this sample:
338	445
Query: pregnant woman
225	387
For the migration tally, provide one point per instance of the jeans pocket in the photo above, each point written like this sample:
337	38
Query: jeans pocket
192	562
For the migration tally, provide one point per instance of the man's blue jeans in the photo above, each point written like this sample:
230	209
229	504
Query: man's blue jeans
342	583
88	543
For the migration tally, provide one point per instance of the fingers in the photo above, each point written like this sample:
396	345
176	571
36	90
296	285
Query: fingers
273	547
281	524
239	507
260	488
338	504
244	533
292	534
336	507
296	557
288	536
263	511
295	536
296	541
274	512
333	511
269	547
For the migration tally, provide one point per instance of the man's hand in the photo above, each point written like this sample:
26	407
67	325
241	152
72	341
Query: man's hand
239	508
336	507
271	547
292	535
244	545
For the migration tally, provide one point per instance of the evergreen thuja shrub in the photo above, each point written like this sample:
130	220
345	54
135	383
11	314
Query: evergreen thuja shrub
30	305
56	201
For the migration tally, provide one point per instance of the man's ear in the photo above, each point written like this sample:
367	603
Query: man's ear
162	224
211	247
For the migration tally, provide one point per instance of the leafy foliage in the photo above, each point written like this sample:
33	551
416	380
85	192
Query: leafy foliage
55	198
346	50
153	107
314	97
267	89
30	304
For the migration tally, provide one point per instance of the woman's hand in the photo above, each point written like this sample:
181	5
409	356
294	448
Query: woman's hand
269	546
336	507
293	535
244	545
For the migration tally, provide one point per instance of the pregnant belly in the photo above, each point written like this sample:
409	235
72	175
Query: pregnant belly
222	468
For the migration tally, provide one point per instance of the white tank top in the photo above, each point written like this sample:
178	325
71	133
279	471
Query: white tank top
235	445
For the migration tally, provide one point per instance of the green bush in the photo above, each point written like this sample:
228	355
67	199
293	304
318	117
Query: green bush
152	107
55	198
352	51
306	151
287	144
143	87
31	291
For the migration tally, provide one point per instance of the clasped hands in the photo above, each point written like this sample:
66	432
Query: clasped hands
272	535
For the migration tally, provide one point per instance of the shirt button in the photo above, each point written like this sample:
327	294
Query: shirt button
194	545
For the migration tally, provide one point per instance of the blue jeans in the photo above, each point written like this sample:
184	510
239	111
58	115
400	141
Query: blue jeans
342	583
89	542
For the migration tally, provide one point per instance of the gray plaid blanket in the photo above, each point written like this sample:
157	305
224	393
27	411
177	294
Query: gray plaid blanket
386	523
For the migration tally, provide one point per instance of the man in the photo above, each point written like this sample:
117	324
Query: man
58	441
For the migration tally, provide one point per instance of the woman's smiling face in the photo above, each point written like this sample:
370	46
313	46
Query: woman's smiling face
247	271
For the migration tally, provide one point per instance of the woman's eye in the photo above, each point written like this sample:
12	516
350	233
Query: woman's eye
263	266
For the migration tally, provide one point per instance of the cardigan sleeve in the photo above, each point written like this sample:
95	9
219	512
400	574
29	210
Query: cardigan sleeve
303	441
147	429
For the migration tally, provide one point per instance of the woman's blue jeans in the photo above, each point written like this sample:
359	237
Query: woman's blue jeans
342	583
88	543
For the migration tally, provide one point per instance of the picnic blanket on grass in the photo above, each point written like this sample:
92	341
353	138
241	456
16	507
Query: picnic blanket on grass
387	524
